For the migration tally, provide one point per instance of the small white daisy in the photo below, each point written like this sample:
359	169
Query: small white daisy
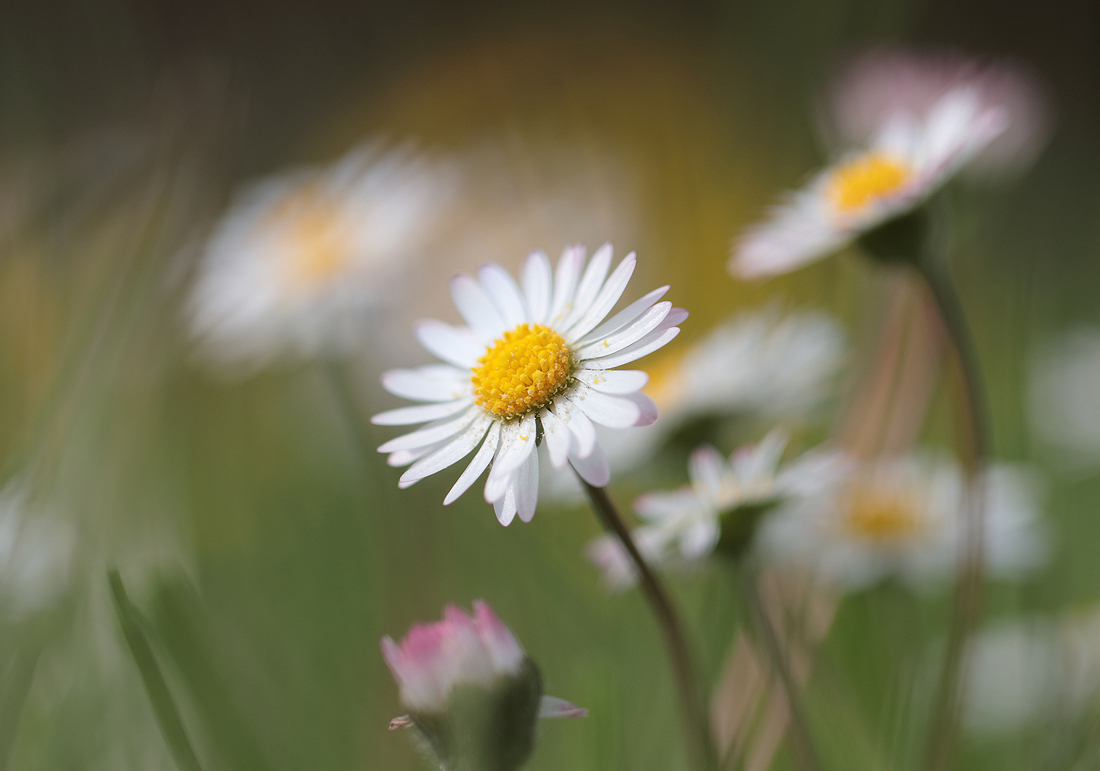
532	361
905	517
1065	413
909	158
685	525
301	259
36	554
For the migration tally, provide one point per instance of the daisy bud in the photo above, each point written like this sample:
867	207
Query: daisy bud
473	694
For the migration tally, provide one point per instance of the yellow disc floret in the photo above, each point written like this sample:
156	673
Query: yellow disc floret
523	371
316	244
862	181
881	514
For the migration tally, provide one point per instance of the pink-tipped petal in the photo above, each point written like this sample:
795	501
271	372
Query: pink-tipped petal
553	707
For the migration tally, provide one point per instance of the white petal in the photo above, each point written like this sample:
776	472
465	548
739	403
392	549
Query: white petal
594	468
505	294
605	301
448	454
420	414
647	345
590	285
552	707
625	316
433	383
706	468
556	436
456	345
628	335
538	283
477	465
796	234
431	434
580	427
607	410
700	539
619	381
517	441
405	457
647	408
526	486
565	281
476	308
505	508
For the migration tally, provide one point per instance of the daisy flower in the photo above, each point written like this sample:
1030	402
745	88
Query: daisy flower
467	676
913	151
532	362
1065	413
36	554
299	262
904	517
720	506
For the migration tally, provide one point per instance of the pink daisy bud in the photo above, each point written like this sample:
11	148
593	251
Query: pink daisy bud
472	693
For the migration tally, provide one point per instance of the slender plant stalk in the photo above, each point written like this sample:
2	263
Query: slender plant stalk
801	738
694	713
973	454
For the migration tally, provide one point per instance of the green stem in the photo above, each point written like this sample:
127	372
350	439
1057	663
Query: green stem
693	711
801	738
973	453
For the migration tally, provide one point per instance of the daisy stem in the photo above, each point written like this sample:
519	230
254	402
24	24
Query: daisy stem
760	622
973	449
696	723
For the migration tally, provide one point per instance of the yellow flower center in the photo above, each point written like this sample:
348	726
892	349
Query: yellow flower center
862	181
523	371
883	515
316	247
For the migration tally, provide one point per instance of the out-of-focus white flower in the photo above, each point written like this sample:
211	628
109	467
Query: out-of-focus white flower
760	362
502	699
1065	381
905	517
300	261
532	359
909	156
36	554
686	525
882	83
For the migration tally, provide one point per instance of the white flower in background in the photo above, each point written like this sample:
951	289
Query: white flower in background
882	83
473	695
905	517
300	261
762	363
531	359
35	555
911	154
684	526
1065	381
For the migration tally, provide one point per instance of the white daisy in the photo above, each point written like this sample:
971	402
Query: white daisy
532	362
909	158
905	517
1065	412
301	259
36	553
685	525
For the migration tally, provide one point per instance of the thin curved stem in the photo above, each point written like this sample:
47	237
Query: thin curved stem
801	738
696	724
973	454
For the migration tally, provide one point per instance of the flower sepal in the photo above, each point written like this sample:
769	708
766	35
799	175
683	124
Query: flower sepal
484	729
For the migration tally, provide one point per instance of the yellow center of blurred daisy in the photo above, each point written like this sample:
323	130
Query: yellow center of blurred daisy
862	181
523	371
883	515
318	249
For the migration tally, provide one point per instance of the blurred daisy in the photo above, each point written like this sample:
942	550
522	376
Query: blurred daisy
913	149
904	518
532	362
36	554
721	506
300	261
1065	379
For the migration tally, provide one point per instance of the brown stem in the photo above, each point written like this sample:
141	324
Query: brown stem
696	725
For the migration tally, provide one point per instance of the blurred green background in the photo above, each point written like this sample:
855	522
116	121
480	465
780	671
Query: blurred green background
263	541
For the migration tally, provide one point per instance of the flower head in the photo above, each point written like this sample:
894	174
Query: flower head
532	362
908	139
300	259
719	508
471	691
904	517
